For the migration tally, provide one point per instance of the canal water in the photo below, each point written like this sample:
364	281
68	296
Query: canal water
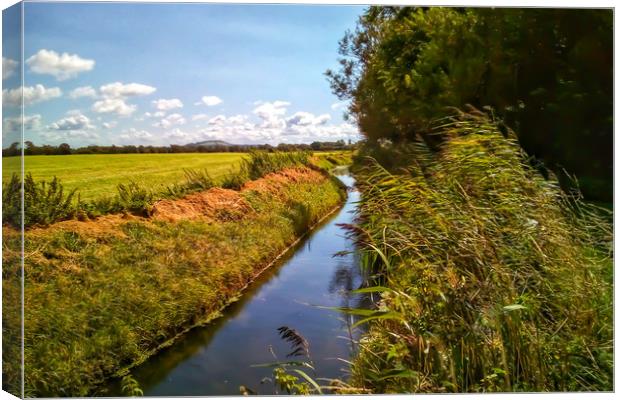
218	358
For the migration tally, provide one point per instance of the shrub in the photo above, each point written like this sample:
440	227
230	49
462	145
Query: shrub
44	202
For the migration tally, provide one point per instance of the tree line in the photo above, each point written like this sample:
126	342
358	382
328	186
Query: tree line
30	149
545	73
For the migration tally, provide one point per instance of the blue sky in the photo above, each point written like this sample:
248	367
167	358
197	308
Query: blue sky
179	73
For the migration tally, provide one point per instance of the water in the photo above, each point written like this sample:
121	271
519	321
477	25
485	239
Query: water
218	358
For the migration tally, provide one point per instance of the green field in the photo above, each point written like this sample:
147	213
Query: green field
96	175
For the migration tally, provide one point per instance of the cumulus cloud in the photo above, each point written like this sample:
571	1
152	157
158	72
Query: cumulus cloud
118	90
209	101
109	125
167	104
32	95
13	124
275	126
83	91
198	117
75	121
156	114
117	106
170	120
115	95
9	66
61	66
272	113
303	118
66	135
181	136
135	135
217	120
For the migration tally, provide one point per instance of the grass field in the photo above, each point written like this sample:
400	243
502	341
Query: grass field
96	175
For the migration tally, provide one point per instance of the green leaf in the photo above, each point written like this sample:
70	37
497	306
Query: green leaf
310	380
379	315
372	289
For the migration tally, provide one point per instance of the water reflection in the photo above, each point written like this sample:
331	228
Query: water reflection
217	359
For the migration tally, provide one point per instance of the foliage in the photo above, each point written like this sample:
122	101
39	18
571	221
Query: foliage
130	386
546	72
44	202
493	279
103	296
260	163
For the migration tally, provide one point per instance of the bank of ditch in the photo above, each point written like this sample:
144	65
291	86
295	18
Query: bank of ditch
102	295
491	277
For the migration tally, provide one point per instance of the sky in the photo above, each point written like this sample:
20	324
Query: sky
136	73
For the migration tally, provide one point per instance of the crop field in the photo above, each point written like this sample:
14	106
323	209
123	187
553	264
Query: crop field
96	175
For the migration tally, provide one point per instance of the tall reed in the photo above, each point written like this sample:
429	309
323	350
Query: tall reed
492	278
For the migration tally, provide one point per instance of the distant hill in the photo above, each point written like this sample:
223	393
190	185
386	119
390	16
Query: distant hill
211	143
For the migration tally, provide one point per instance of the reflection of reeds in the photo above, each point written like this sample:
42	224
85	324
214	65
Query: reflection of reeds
499	281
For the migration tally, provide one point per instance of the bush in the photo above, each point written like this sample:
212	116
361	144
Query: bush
44	202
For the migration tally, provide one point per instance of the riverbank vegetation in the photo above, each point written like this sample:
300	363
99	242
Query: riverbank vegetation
104	294
49	200
495	279
493	273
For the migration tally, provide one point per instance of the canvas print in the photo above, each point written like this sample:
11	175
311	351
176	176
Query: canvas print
291	199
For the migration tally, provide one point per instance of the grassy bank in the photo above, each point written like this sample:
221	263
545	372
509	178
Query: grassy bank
103	295
51	200
492	278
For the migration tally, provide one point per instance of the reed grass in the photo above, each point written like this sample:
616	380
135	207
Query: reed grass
492	278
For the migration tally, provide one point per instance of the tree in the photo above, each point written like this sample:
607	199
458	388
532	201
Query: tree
546	72
64	148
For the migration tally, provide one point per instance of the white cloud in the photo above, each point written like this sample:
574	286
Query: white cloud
199	117
117	106
118	90
75	121
109	125
209	101
134	135
170	120
61	66
32	95
181	136
303	118
217	120
65	135
83	91
9	66
114	96
156	114
167	104
13	124
272	114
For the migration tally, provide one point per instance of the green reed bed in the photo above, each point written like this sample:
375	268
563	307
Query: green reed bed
492	278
